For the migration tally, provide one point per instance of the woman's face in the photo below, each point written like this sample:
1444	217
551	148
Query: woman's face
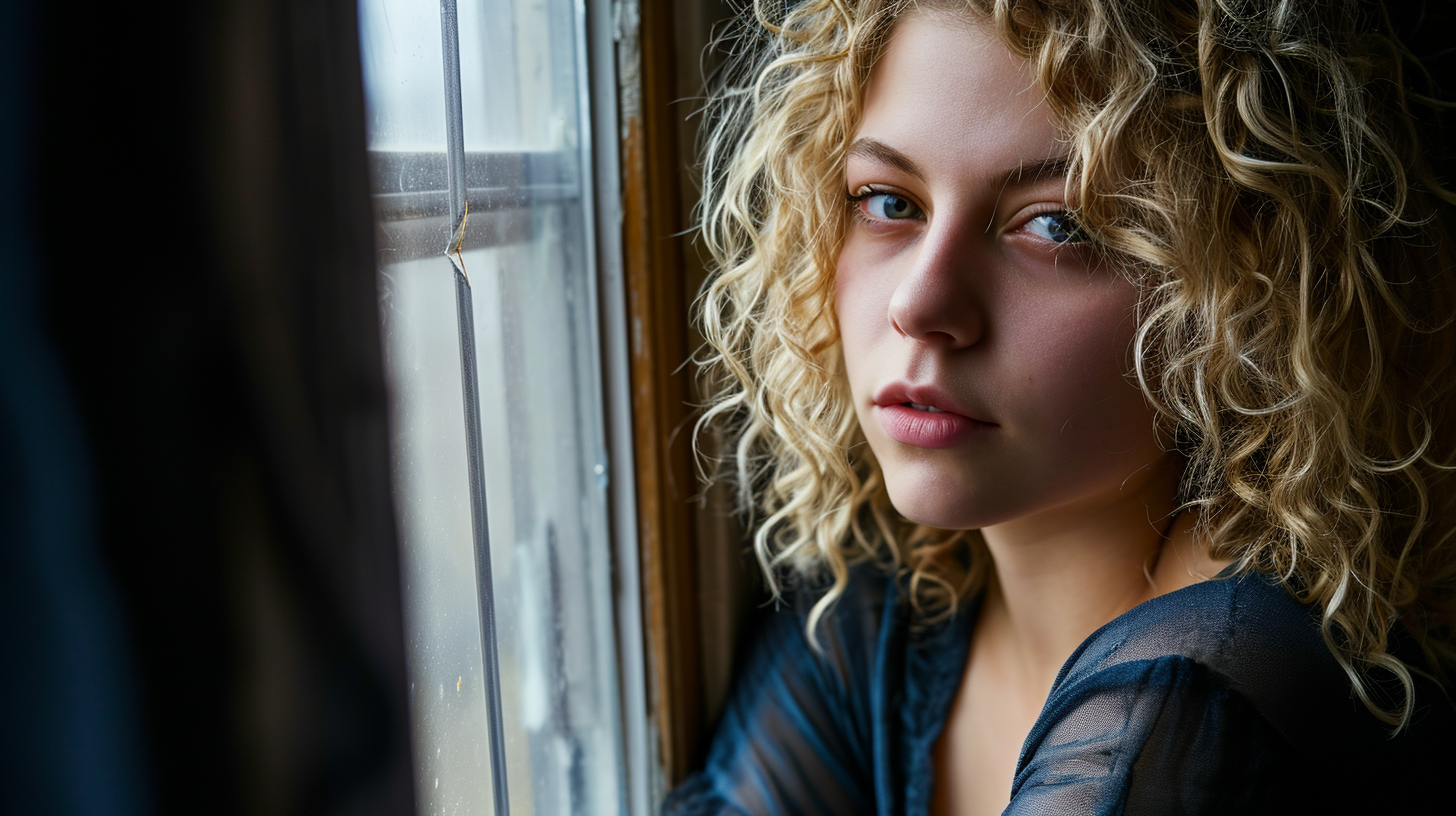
987	348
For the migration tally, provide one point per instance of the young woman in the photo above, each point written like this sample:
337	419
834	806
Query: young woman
1089	364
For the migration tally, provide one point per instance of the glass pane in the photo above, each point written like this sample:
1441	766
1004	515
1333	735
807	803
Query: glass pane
530	269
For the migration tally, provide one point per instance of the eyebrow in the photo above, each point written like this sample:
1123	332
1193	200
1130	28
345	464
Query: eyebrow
876	150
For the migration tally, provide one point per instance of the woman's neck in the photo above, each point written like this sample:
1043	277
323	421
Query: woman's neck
1058	577
1061	574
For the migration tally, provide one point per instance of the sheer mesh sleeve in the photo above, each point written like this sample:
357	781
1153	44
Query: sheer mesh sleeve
796	738
1159	736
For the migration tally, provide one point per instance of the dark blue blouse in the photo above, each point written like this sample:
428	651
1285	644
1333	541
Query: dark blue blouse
1217	698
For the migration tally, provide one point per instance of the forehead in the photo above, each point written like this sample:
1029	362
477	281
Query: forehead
949	93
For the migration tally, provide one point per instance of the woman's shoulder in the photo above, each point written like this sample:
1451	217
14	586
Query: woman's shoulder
1235	671
797	733
1246	628
1252	632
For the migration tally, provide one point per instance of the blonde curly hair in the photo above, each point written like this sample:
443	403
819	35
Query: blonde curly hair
1256	167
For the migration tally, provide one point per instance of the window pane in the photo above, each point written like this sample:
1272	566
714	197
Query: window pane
527	256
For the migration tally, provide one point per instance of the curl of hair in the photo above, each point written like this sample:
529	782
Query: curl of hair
1255	167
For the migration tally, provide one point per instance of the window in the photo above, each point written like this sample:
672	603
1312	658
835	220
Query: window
479	120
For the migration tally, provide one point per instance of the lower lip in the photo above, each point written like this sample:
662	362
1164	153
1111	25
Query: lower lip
926	429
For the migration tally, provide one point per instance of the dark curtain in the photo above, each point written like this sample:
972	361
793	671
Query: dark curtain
201	580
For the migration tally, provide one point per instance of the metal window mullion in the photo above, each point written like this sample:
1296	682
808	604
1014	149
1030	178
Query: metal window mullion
465	319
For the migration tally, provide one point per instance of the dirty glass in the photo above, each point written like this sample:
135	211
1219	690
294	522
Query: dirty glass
526	267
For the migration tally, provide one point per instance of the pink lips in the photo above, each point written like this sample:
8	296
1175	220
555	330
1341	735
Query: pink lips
948	425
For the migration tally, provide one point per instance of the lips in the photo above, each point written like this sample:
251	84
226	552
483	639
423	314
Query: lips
924	416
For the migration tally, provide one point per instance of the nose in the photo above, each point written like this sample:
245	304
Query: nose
939	300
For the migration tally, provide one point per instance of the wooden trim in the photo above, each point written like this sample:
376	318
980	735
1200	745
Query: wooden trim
654	272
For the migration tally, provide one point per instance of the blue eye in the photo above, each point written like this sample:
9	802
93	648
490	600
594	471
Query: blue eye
888	206
1057	227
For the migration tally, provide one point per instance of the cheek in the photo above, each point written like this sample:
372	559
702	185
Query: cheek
861	307
1077	361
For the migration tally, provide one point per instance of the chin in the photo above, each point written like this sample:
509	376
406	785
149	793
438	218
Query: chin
929	495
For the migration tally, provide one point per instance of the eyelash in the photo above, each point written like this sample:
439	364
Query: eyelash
856	204
1070	227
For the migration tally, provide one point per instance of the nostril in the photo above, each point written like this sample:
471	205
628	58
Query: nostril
952	322
895	324
939	302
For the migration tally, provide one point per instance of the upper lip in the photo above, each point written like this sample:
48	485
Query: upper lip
900	392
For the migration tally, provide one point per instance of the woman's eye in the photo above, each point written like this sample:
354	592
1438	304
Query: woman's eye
888	206
1057	227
